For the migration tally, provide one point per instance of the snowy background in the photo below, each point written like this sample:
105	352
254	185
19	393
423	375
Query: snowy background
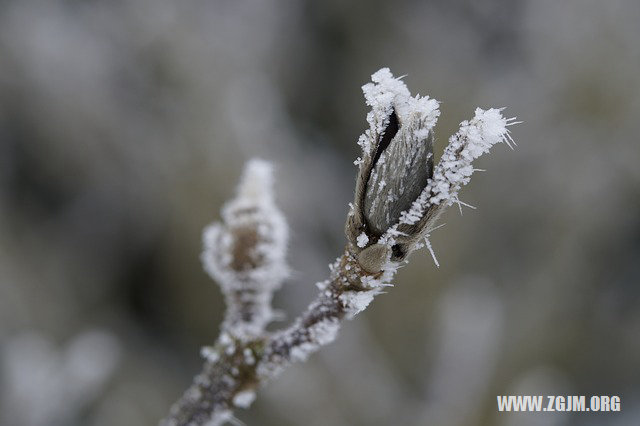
124	127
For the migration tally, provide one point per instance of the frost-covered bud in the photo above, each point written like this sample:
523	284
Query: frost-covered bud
403	167
396	164
399	192
246	253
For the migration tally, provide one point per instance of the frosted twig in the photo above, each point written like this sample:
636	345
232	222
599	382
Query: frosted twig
398	198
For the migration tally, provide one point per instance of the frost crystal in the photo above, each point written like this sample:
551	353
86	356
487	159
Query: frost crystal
362	240
357	301
244	399
390	99
427	243
210	354
385	92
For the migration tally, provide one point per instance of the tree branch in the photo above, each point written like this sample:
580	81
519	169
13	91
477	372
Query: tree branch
398	198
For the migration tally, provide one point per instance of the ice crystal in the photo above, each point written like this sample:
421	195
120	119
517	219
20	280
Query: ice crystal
244	399
363	240
355	302
210	354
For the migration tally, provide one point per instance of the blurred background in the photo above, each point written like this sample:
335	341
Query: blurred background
124	126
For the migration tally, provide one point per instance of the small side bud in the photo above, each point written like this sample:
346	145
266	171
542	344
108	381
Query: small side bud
373	258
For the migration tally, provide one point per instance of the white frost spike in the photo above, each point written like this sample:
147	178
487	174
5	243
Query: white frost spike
246	253
355	302
210	354
427	243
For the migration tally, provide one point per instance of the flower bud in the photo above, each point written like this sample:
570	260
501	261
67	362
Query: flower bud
399	193
396	164
403	168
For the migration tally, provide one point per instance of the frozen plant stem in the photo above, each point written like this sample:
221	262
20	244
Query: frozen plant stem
398	198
